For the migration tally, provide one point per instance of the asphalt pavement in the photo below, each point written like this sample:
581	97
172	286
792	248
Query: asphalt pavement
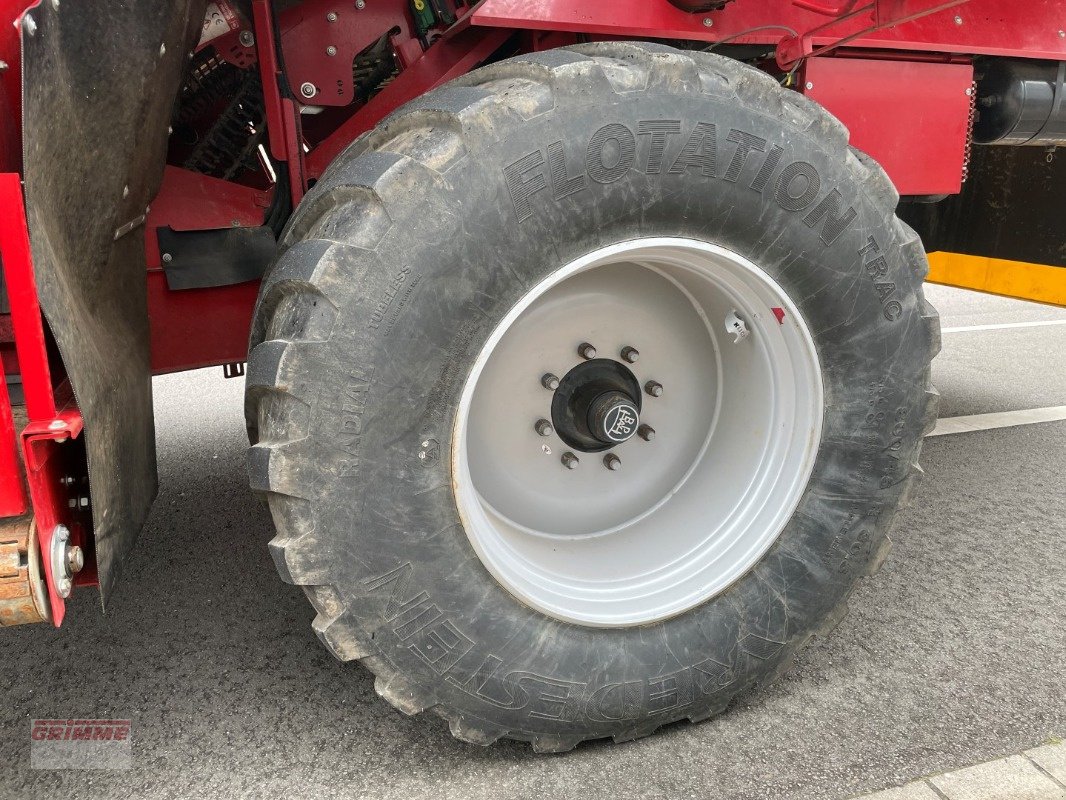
953	654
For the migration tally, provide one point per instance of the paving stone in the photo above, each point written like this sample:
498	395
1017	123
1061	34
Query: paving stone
912	791
1051	757
1013	778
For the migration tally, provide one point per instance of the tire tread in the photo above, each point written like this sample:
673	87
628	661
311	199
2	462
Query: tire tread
496	98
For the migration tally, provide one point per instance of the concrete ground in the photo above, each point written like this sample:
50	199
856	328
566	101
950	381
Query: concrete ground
953	654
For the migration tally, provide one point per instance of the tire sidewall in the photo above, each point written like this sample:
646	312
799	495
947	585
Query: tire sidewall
459	254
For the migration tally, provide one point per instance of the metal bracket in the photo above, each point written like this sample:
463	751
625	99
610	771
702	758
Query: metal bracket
883	13
736	326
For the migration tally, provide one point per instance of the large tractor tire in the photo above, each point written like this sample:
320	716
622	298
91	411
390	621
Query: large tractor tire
585	389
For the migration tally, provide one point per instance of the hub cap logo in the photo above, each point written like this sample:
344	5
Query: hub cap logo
620	423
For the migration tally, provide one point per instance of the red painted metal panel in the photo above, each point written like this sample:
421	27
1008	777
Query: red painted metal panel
880	14
912	117
310	29
14	246
195	328
25	309
13	501
11	85
1031	29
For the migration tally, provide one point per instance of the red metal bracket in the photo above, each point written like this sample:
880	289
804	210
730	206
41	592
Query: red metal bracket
283	125
50	422
321	38
883	13
827	10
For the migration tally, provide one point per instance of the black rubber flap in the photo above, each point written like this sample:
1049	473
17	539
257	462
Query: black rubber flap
99	82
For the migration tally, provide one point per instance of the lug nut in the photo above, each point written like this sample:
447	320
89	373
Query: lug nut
654	388
586	351
549	381
612	462
630	354
75	559
570	461
646	432
543	427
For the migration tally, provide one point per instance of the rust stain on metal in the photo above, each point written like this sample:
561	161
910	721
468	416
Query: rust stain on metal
23	597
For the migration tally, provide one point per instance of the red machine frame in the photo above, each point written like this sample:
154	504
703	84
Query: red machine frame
885	67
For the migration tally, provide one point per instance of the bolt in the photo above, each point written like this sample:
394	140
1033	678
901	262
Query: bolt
1062	34
75	559
570	461
56	424
332	16
549	381
958	20
654	388
808	86
360	4
543	427
612	462
247	39
83	502
331	51
3	64
969	91
308	89
63	586
646	432
167	258
67	480
235	223
586	350
630	354
708	22
62	533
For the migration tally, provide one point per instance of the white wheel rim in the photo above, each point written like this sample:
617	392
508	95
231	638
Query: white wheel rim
736	432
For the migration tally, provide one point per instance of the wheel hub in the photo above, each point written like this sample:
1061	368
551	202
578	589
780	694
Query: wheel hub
597	405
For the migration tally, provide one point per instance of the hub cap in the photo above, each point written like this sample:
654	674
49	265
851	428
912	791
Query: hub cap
571	510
